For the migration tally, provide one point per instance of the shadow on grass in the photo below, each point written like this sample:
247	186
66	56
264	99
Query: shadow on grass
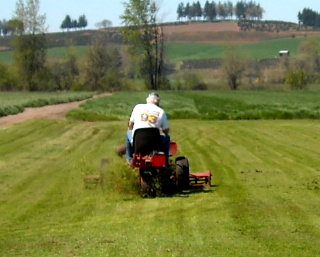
195	190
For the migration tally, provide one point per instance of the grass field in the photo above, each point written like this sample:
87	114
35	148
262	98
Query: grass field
222	105
265	198
194	51
258	50
55	53
15	102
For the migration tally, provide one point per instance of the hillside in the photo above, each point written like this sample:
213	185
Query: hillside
219	31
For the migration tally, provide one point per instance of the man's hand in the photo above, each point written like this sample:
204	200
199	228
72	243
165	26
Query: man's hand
166	131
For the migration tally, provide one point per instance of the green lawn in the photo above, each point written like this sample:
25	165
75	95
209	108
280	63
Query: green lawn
264	200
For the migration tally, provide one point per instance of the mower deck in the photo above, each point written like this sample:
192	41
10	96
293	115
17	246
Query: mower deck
197	179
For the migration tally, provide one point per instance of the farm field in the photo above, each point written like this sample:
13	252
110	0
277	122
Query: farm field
212	105
264	200
264	49
54	53
176	52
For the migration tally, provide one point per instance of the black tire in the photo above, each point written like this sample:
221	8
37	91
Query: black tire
182	173
147	185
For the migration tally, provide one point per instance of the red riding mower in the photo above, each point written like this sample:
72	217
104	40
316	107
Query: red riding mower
159	174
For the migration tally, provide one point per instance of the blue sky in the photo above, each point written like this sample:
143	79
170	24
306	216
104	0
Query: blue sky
98	10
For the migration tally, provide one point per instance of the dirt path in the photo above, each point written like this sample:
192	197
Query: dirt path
57	111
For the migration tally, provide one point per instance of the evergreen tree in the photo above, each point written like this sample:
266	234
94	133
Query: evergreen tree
309	17
180	11
74	24
198	10
229	8
66	23
82	22
240	10
188	11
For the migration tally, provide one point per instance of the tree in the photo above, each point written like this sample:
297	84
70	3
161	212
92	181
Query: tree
97	65
74	24
229	8
296	78
104	24
308	59
14	27
222	11
30	45
65	73
102	70
82	21
198	10
4	28
233	67
180	11
188	11
145	39
210	11
7	81
28	13
309	17
206	10
240	10
66	23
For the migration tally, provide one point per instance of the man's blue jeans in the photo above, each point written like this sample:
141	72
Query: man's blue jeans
129	146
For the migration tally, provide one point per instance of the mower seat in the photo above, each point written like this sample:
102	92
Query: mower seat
147	141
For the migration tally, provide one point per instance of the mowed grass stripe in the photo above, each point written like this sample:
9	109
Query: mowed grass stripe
205	147
39	176
297	147
301	212
239	140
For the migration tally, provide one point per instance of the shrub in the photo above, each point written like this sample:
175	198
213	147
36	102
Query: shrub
296	78
193	81
7	81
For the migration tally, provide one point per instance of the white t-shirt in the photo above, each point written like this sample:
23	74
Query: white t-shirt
148	116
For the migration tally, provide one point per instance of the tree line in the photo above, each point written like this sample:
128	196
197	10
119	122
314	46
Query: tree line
11	27
102	69
309	17
69	23
32	71
221	10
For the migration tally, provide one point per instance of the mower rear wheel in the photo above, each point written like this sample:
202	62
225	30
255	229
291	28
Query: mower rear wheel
182	173
148	185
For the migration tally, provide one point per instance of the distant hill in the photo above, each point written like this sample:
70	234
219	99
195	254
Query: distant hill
219	31
226	31
77	38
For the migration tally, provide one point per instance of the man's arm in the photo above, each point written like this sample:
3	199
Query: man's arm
165	125
130	125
